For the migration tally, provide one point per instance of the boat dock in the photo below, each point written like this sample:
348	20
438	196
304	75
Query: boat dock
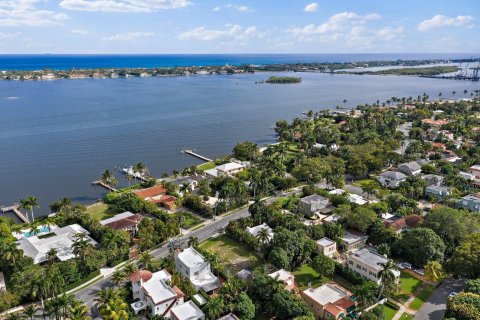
106	186
15	209
196	155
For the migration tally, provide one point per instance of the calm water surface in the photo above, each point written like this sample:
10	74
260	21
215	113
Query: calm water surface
56	137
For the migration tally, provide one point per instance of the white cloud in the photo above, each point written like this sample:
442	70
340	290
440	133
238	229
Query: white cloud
239	7
4	36
337	23
123	5
312	7
216	9
79	32
232	33
440	21
128	36
15	13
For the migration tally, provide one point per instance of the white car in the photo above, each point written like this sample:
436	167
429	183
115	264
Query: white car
453	294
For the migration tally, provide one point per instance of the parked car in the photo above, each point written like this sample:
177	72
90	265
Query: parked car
420	271
453	294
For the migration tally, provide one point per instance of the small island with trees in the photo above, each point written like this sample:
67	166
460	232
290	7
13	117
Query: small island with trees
274	79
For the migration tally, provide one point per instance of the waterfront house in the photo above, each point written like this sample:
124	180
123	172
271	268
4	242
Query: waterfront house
157	195
153	292
438	192
229	168
126	221
368	264
60	239
314	203
330	301
286	277
470	202
327	247
391	179
191	265
353	240
411	168
190	181
256	229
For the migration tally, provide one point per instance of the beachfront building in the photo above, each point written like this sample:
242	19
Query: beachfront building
151	291
157	195
368	264
330	301
327	247
60	239
192	266
227	169
125	221
286	277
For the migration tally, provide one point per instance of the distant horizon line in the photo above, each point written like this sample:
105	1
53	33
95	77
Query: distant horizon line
219	54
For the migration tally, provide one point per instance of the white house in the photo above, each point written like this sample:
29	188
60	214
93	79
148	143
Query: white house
353	240
313	203
411	168
152	292
60	239
187	311
286	277
229	168
191	265
255	230
327	247
368	264
475	171
391	179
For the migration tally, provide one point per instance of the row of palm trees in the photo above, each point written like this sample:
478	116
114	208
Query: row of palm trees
59	308
28	204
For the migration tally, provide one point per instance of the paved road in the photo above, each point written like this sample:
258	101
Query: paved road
89	294
405	129
434	308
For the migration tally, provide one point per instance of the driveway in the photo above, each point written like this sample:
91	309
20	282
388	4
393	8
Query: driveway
436	305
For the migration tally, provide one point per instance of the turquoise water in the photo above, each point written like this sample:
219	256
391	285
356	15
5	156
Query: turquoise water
28	234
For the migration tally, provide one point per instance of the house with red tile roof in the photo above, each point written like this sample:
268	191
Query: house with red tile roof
435	123
330	301
158	196
126	221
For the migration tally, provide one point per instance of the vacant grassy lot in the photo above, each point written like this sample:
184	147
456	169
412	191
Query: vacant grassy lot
235	255
101	211
306	275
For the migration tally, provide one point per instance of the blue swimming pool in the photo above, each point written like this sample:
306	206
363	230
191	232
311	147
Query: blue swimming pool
30	233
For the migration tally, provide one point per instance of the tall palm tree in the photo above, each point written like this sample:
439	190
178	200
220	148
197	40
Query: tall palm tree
214	307
185	188
263	236
30	311
146	258
79	312
118	277
130	268
386	276
109	179
106	295
28	204
81	247
193	242
9	251
434	271
129	178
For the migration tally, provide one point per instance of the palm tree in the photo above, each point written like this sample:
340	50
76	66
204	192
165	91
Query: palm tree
14	316
214	307
79	312
30	311
193	242
28	204
185	188
81	247
263	236
129	178
130	269
106	295
51	254
109	179
9	251
140	168
386	276
146	258
434	271
118	277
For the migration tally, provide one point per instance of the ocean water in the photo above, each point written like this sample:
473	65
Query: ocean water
62	62
56	137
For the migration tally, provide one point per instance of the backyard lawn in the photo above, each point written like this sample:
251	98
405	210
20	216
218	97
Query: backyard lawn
380	190
101	211
408	285
406	316
306	275
206	166
235	255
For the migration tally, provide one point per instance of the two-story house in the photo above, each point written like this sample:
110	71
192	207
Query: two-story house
391	179
327	247
368	264
191	265
313	203
470	202
411	168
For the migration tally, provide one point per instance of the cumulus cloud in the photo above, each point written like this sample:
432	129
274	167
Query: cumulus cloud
232	33
15	13
216	9
123	5
312	7
239	7
440	21
128	36
79	32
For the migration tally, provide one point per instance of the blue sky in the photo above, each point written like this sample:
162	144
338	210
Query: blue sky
243	26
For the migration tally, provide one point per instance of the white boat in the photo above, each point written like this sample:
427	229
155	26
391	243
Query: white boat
129	170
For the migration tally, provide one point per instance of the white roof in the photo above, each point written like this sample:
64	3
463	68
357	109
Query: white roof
159	291
230	166
117	217
369	258
336	191
282	275
187	311
331	218
355	198
212	172
350	237
325	294
393	175
325	242
200	299
475	167
191	258
229	316
62	241
255	230
2	281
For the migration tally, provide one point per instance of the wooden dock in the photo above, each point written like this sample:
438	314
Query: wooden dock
106	186
196	155
15	209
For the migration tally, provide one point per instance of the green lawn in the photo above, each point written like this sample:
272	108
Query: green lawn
406	316
306	275
423	296
206	166
389	312
101	211
380	190
235	255
189	220
408	285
